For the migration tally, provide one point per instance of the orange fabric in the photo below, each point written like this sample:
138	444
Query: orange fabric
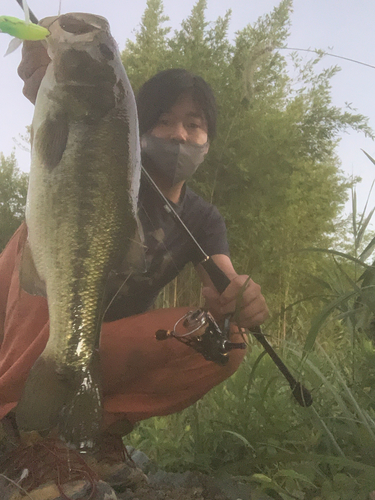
142	377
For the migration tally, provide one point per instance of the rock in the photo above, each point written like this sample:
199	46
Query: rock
211	488
140	459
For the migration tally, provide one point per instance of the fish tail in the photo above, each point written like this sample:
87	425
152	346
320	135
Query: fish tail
81	420
59	398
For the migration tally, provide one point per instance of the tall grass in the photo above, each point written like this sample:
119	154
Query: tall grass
250	427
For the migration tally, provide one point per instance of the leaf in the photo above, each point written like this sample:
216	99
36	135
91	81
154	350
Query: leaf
262	478
292	474
346	275
368	250
361	413
241	438
336	252
320	281
369	157
363	228
354	211
367	201
319	320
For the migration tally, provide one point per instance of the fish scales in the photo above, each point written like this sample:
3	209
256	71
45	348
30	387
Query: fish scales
81	206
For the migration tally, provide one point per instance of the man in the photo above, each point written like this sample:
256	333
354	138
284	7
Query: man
141	377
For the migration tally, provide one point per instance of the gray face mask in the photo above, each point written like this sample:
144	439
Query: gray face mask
174	161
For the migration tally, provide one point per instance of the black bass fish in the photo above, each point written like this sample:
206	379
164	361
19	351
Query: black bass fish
81	214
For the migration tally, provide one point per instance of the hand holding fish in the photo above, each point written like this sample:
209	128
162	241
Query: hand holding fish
33	67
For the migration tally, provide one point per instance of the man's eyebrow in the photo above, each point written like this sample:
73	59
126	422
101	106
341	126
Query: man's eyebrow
193	114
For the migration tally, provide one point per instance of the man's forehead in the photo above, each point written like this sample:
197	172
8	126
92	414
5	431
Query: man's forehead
187	106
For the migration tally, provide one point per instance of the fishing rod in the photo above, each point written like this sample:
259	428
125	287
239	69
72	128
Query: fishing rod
33	17
214	338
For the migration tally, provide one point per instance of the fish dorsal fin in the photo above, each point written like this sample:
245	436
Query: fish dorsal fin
28	275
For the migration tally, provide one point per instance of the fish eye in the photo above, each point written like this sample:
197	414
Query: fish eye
70	24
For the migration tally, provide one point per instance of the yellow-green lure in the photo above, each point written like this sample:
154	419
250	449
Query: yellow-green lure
22	30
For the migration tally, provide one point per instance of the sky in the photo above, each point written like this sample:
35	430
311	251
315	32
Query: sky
342	27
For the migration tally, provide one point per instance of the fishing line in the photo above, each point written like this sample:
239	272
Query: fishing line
321	52
117	292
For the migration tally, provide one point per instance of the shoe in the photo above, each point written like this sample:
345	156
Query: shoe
113	464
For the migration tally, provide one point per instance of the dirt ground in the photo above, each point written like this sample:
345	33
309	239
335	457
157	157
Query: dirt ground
48	470
188	486
161	485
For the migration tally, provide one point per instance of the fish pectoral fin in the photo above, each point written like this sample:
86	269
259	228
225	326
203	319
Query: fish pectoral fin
28	275
51	139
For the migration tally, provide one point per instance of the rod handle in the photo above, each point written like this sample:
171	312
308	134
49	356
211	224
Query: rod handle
217	276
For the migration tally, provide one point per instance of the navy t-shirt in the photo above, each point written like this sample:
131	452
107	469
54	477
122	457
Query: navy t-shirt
168	248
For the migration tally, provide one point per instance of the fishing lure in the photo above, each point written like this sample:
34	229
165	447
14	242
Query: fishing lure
21	30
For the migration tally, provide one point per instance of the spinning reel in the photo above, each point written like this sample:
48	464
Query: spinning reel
199	330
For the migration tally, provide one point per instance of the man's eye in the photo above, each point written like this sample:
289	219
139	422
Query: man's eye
193	125
163	121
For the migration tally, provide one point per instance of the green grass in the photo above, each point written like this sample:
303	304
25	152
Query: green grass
249	427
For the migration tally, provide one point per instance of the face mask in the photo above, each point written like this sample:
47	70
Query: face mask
173	161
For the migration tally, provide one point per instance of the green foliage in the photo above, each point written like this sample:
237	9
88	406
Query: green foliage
251	428
350	282
144	57
274	174
13	189
272	171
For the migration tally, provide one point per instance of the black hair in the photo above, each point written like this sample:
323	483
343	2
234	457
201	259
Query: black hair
159	94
